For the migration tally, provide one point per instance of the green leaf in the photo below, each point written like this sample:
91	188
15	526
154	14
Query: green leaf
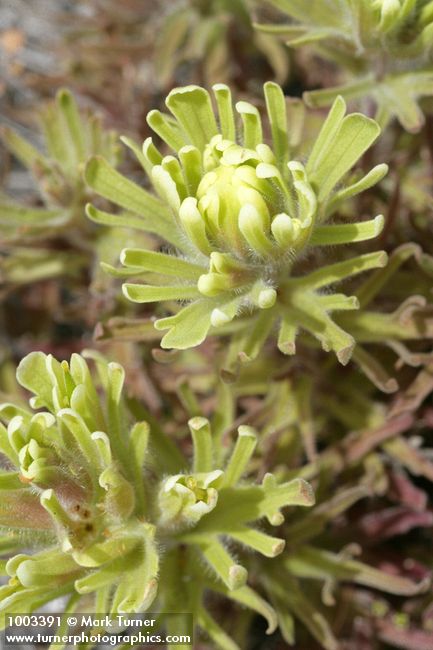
165	454
369	180
338	302
172	166
107	574
286	622
225	111
373	285
26	601
149	293
407	7
52	505
203	446
166	187
33	375
242	505
310	36
317	11
309	312
277	596
285	31
32	571
23	150
319	98
159	227
192	108
169	41
342	270
347	233
233	575
276	55
110	184
287	335
6	547
127	329
16	216
395	95
137	590
355	135
214	631
241	455
188	327
168	129
9	411
326	137
389	15
63	629
185	393
29	265
76	425
310	562
252	124
152	155
314	522
138	152
426	264
374	370
249	343
191	160
193	223
161	263
75	125
260	542
276	108
10	481
249	598
279	495
399	94
121	273
303	608
58	140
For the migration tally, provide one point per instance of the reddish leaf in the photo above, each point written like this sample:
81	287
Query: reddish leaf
394	521
403	491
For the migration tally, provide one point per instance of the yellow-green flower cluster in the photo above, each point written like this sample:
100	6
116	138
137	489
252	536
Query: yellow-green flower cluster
94	508
50	237
241	215
383	47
